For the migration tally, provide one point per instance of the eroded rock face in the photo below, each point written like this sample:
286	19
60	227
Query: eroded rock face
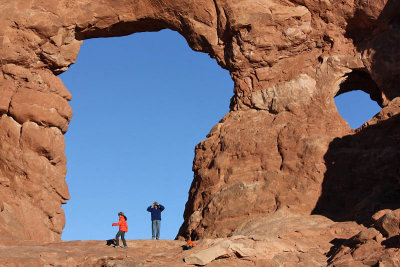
371	247
288	60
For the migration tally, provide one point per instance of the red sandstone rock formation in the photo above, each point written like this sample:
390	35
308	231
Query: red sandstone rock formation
286	240
283	145
367	164
371	247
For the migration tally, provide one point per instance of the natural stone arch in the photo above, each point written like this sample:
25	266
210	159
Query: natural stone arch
165	139
360	79
287	59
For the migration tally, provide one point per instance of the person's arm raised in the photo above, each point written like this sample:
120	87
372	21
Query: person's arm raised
116	224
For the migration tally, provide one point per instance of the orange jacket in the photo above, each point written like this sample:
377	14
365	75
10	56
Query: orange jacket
191	243
123	226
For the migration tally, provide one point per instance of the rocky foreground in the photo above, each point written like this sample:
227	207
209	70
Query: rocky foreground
282	144
283	239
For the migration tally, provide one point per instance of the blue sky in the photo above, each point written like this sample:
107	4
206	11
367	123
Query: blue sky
141	103
356	107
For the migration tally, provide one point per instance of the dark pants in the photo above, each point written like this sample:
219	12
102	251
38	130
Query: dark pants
122	235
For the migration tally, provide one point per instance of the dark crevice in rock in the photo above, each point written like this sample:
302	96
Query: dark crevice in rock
9	107
20	135
278	146
218	12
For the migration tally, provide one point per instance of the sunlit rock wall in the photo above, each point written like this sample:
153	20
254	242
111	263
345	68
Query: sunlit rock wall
288	60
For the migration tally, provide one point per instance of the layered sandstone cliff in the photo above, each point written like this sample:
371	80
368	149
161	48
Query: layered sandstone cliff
283	145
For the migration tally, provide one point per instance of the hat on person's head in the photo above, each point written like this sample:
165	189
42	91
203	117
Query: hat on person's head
120	213
155	203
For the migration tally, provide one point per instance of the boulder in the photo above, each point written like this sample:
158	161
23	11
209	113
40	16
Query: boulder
389	224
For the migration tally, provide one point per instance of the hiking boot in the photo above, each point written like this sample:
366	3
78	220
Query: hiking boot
125	247
157	238
116	246
152	238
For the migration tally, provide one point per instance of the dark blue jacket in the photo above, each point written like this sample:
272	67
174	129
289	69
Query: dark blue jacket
155	213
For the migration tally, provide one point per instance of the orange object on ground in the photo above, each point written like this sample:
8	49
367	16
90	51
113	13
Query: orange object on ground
123	226
191	243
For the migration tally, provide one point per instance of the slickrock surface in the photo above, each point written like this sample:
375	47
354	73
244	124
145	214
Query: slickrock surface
282	146
289	240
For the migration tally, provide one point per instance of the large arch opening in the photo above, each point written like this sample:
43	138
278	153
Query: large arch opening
142	102
358	98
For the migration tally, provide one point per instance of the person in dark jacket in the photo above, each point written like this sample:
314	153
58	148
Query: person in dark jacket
155	210
123	228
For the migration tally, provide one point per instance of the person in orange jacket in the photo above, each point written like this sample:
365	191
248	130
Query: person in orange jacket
123	228
190	244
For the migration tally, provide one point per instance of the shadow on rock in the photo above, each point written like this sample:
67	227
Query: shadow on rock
392	242
110	242
377	37
363	173
363	168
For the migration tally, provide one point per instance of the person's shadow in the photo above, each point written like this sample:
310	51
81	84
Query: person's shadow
110	242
